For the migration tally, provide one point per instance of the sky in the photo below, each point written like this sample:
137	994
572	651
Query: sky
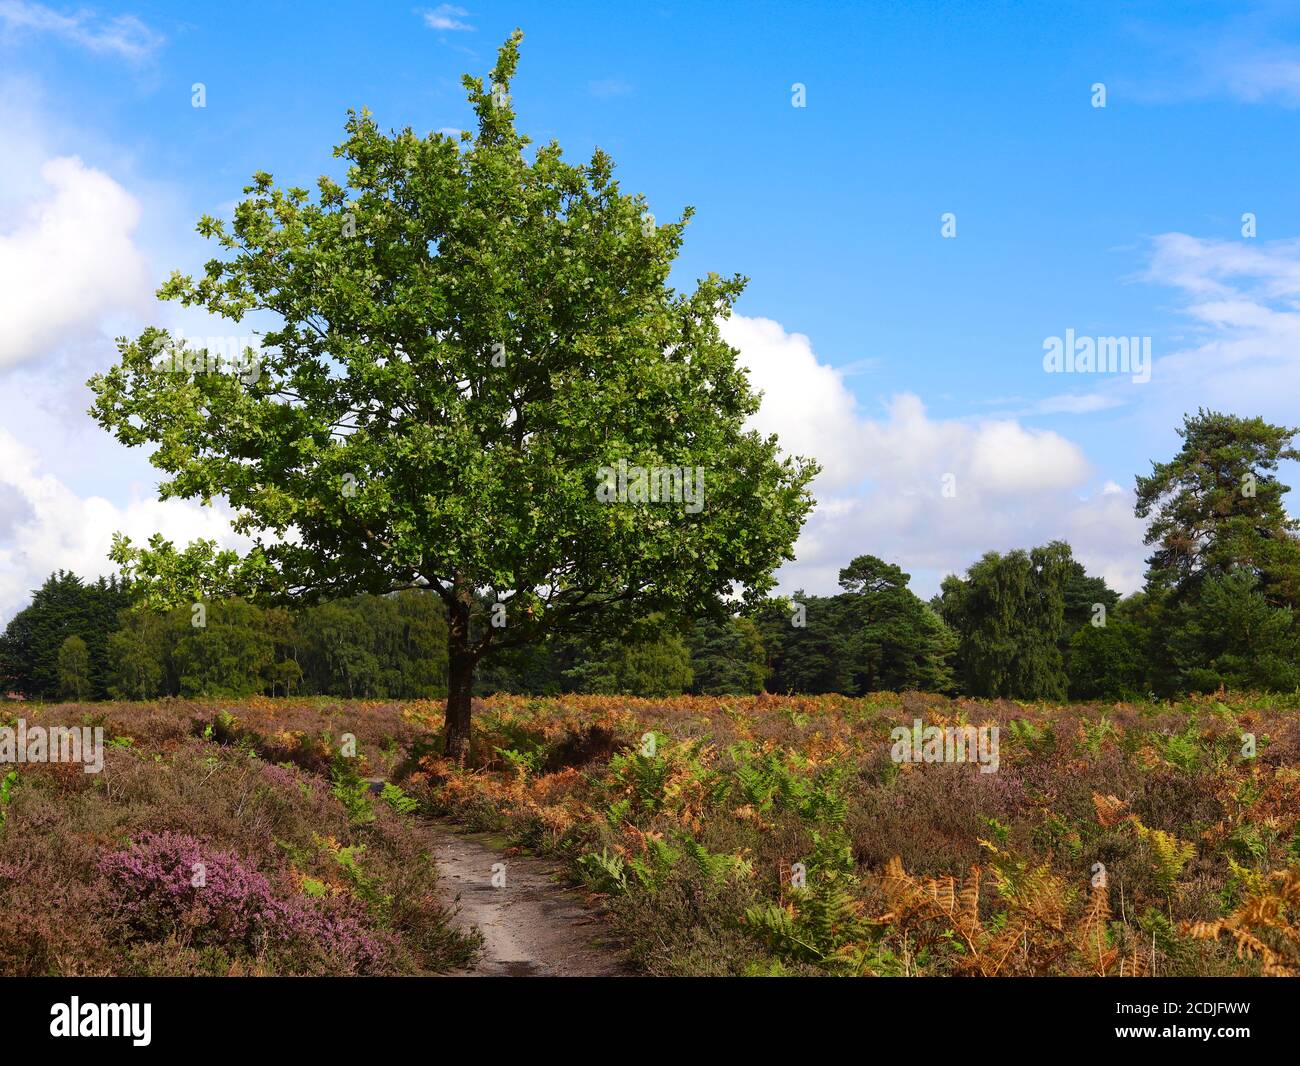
922	195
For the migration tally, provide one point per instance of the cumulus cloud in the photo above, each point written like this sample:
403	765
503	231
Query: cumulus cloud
45	526
931	494
70	260
805	401
121	35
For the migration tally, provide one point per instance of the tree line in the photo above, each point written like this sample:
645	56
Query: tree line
1219	609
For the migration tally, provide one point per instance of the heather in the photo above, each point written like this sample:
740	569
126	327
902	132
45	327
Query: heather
191	855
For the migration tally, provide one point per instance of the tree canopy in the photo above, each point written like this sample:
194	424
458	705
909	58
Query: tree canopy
465	340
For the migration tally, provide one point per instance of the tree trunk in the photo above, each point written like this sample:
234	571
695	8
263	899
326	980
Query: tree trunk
460	678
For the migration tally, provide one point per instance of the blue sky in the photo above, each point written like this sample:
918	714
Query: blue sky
896	355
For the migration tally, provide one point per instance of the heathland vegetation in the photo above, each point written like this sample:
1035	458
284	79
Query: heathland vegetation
743	835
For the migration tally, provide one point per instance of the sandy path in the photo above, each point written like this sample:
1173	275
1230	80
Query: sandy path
532	926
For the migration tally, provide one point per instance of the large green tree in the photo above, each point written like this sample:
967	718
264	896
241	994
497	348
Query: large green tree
894	641
727	657
1217	506
464	336
1010	616
1233	637
657	663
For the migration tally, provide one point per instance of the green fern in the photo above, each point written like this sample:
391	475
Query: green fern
720	867
823	925
398	800
608	873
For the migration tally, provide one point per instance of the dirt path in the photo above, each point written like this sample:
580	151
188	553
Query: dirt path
532	925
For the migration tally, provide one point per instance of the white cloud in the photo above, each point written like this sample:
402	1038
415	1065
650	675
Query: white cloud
1074	404
70	260
805	401
45	526
1008	459
121	35
446	17
1242	299
883	487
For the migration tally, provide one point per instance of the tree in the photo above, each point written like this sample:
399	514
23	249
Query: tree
138	650
74	669
894	641
805	645
63	606
230	655
1083	595
1009	613
1217	506
657	664
1107	661
466	343
727	657
1232	636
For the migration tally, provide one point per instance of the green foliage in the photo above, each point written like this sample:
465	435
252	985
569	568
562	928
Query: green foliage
1217	507
375	646
466	333
727	657
63	607
1225	573
1037	738
660	666
397	799
809	658
874	635
1230	635
74	669
646	774
823	925
607	872
715	867
351	791
1010	615
140	652
7	785
367	646
894	641
1107	662
1169	855
314	888
1095	734
225	657
776	781
1183	750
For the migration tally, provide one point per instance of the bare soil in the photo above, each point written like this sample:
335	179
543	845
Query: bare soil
532	925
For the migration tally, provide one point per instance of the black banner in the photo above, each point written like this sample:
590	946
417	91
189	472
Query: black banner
166	1015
